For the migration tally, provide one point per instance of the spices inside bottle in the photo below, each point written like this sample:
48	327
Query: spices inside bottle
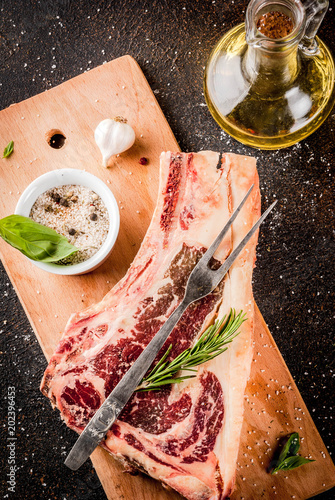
275	24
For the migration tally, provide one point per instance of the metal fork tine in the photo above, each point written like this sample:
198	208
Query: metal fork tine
228	262
211	250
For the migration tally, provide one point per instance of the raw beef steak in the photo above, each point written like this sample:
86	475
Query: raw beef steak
186	435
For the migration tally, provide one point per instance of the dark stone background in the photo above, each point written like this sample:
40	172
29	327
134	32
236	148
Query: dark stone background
43	43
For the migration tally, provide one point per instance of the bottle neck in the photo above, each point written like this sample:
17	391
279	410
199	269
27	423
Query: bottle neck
270	72
274	29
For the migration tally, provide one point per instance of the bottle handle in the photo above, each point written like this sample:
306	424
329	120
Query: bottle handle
315	12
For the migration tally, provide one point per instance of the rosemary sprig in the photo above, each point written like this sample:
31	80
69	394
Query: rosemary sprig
211	343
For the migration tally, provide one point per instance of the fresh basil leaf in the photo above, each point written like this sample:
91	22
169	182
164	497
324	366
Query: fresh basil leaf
291	447
291	463
8	149
288	458
34	240
294	443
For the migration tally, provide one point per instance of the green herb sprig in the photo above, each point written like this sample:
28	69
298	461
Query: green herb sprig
288	458
8	149
211	343
34	240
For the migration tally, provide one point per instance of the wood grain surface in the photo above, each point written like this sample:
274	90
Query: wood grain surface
273	405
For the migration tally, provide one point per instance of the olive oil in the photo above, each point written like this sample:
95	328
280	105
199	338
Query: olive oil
271	97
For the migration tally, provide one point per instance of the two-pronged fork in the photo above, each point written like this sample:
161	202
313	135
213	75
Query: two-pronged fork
201	282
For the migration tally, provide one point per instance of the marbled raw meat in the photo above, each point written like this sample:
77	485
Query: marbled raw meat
186	435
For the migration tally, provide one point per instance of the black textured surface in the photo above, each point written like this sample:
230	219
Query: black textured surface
44	43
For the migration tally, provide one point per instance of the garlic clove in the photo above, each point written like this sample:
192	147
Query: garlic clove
113	136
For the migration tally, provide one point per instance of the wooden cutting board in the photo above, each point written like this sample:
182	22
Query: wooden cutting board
273	405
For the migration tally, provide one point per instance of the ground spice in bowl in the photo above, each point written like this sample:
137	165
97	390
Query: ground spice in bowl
275	25
76	212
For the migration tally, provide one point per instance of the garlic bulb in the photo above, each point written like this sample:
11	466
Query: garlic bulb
113	136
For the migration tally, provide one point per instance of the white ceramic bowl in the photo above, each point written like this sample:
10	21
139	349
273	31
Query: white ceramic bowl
80	177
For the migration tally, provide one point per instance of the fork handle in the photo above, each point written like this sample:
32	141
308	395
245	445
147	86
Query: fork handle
135	374
104	418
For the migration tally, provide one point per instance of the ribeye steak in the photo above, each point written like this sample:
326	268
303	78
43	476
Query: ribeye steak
186	435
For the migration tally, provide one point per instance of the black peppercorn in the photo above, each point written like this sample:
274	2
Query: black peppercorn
55	197
72	231
93	216
64	202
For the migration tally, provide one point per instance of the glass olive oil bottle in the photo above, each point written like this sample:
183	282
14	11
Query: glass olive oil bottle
269	82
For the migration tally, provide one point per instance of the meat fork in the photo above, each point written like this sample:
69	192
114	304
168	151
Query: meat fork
201	282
